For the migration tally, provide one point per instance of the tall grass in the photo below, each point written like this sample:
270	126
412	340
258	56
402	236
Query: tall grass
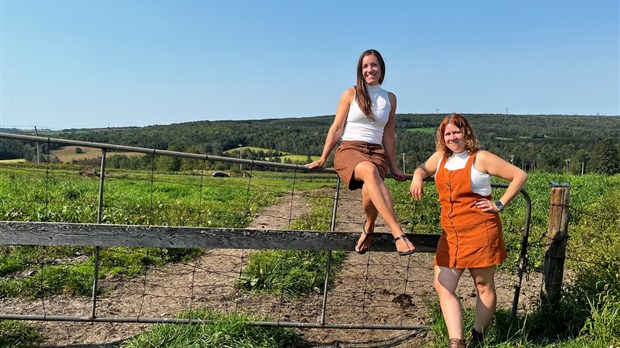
222	331
294	273
16	334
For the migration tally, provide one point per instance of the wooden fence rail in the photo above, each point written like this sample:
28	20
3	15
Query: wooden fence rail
104	235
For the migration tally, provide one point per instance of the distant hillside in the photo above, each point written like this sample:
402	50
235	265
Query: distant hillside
531	141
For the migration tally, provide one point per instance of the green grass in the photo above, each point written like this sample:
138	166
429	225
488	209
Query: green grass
17	334
141	197
285	157
222	331
131	197
543	328
290	273
46	277
298	158
294	273
427	130
250	148
587	316
511	139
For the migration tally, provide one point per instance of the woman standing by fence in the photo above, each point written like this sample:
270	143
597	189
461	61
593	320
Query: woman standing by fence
472	231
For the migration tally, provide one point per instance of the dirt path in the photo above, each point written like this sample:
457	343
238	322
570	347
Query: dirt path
373	289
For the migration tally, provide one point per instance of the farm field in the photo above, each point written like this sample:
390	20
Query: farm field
68	154
143	197
19	160
284	157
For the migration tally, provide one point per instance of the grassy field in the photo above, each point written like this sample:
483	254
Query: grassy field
139	197
67	154
428	130
285	156
588	316
18	160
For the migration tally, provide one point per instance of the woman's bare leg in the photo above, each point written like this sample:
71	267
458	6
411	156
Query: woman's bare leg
369	209
378	194
371	213
446	280
484	279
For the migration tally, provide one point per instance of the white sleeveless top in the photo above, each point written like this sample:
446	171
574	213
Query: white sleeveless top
480	182
359	128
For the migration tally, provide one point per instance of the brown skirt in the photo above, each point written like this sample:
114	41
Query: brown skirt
350	153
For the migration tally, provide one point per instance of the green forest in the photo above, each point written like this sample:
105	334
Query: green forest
552	143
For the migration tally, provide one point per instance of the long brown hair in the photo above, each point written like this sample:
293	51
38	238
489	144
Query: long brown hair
471	142
361	93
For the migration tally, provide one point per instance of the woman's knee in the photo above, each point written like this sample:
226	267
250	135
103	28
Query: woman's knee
484	279
367	170
442	291
485	288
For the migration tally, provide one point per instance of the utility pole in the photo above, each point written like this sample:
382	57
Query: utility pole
512	157
36	143
404	167
567	162
240	164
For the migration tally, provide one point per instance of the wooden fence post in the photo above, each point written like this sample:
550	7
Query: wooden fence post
555	253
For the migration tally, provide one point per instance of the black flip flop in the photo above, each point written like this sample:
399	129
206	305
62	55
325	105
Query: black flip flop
366	235
404	253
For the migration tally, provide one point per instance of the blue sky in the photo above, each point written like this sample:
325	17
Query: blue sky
113	63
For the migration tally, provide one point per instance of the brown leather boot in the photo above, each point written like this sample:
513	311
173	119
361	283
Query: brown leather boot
475	340
456	343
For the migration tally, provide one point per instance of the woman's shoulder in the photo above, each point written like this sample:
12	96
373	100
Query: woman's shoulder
348	95
484	154
350	92
485	158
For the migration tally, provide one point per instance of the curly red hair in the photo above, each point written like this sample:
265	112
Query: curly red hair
471	142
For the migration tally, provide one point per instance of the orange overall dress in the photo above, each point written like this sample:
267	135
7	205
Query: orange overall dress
470	238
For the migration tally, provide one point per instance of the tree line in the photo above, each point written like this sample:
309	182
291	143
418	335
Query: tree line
551	143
